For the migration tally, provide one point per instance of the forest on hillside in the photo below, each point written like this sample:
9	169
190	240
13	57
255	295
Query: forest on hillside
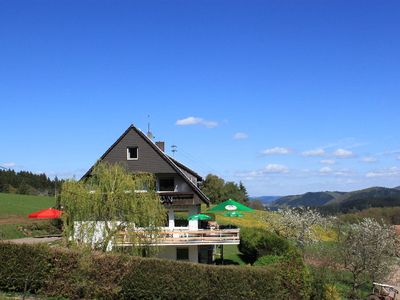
28	183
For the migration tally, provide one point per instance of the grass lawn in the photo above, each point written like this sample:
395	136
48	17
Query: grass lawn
11	231
14	210
22	205
250	219
231	255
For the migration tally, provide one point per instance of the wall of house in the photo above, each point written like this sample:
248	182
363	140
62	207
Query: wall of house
169	252
190	176
92	232
148	160
193	210
180	185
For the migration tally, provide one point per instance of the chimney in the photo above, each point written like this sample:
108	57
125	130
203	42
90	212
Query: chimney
161	146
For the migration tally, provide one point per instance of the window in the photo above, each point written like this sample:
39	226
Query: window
182	253
132	153
167	184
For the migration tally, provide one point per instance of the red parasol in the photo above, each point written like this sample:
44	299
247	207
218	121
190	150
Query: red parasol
48	213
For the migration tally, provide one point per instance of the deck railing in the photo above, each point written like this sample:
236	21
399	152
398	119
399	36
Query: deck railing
184	237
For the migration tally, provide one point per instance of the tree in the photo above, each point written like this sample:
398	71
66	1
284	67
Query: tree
297	224
256	242
218	190
26	189
98	209
256	204
366	249
243	190
25	182
213	187
232	191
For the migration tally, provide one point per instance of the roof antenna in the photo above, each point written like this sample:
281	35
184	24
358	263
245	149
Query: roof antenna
174	150
149	134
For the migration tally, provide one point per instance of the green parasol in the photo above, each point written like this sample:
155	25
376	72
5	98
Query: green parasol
230	205
233	214
201	217
231	209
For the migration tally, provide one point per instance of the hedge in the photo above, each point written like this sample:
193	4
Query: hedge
256	242
75	275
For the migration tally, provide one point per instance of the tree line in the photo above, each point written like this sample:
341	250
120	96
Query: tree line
28	183
218	190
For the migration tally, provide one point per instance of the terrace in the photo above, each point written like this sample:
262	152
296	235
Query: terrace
178	237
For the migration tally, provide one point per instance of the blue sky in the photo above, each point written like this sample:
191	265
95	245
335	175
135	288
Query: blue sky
287	96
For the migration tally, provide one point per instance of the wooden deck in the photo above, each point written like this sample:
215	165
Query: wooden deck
185	237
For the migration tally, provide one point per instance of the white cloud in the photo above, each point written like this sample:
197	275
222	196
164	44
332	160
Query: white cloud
275	168
8	164
276	150
314	152
328	161
328	170
343	153
249	175
325	170
262	173
196	121
343	172
389	152
240	136
393	171
398	157
369	159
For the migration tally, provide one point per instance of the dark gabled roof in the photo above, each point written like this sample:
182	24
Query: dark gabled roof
173	163
186	168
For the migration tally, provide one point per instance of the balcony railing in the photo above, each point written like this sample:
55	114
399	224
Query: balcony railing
173	197
185	237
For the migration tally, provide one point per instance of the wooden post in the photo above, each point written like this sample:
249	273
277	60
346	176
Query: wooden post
222	254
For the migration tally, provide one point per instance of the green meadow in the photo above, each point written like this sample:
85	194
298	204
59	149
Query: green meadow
14	211
22	205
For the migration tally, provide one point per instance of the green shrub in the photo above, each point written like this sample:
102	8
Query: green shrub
331	292
267	260
71	274
24	267
295	275
41	228
190	281
256	242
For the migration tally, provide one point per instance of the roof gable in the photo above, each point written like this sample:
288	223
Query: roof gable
151	158
186	168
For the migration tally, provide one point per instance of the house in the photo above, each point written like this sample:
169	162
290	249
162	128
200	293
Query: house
178	187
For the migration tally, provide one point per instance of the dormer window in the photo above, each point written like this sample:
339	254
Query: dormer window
132	153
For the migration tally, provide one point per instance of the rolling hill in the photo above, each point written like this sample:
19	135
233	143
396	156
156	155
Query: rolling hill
266	199
370	197
307	199
344	201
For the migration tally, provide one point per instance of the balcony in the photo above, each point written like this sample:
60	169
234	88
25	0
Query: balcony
186	237
175	197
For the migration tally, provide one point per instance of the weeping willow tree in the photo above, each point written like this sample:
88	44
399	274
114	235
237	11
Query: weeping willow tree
113	207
